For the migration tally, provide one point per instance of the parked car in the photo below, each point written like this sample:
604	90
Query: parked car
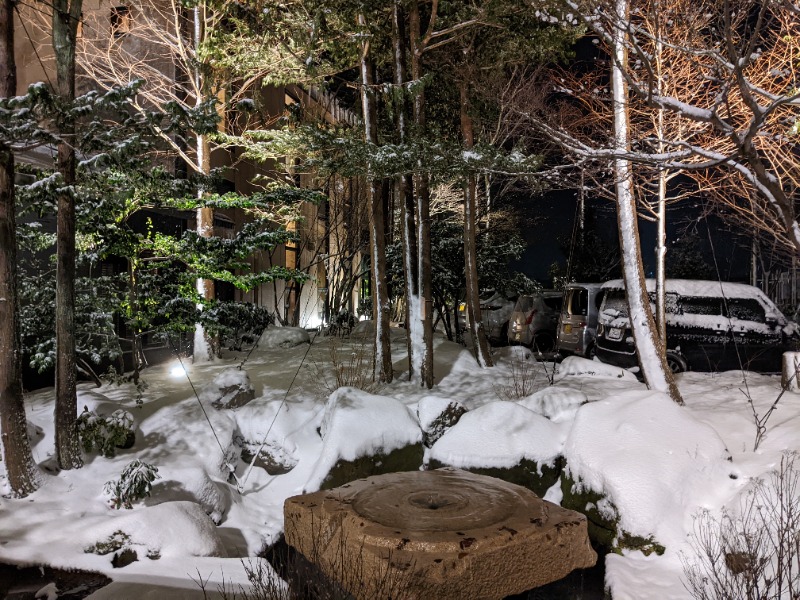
535	320
577	323
711	326
496	310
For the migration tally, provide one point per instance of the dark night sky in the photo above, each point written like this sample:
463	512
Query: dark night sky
557	214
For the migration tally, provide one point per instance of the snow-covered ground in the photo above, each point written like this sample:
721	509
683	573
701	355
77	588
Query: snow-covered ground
659	464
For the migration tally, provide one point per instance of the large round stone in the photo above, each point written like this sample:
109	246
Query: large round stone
436	534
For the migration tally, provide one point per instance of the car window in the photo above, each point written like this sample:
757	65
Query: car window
615	300
553	302
700	306
746	309
579	302
524	304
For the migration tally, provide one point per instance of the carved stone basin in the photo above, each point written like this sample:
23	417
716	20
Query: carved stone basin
436	534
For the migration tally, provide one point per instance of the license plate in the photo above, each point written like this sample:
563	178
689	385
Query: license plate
615	333
568	328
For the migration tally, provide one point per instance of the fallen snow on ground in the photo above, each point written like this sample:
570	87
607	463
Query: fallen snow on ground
656	462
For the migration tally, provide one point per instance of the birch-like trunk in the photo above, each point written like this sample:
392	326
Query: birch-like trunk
66	16
205	346
422	190
652	353
15	449
479	341
405	196
380	292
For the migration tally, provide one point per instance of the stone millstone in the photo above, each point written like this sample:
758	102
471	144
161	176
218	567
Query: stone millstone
436	534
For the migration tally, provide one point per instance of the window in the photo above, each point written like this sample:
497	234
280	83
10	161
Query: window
121	18
746	309
701	306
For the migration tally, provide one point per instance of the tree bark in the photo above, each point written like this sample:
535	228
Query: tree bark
405	188
480	343
380	293
15	449
423	203
652	354
66	16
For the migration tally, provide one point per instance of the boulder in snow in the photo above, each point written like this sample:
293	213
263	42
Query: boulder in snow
576	366
503	440
230	389
168	530
192	484
283	337
364	434
556	403
437	415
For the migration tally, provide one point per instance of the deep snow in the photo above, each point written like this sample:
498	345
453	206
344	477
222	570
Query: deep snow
658	463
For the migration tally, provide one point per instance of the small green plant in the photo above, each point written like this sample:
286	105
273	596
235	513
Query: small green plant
105	434
135	483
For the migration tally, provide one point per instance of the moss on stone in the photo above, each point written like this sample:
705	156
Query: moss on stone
408	458
580	498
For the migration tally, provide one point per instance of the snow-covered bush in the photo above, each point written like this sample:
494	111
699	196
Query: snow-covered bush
135	483
105	434
752	551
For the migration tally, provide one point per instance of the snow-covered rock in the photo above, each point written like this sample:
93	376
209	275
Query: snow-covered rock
229	389
358	424
167	530
437	415
283	337
652	459
193	484
499	435
556	403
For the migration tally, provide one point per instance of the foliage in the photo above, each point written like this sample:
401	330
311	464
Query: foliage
685	259
753	551
135	483
236	323
104	434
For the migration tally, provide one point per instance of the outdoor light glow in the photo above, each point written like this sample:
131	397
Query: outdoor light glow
177	371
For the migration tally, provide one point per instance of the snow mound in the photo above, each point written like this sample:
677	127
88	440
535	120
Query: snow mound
193	484
576	366
499	435
283	337
229	389
652	459
168	530
555	403
358	424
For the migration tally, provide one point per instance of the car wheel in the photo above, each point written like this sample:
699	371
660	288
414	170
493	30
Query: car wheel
591	352
543	342
676	363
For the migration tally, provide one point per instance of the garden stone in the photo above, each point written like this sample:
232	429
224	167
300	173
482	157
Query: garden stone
437	415
230	389
444	534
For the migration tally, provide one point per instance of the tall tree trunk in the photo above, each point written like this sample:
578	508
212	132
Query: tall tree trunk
423	203
205	346
480	343
377	233
652	354
414	307
15	449
66	16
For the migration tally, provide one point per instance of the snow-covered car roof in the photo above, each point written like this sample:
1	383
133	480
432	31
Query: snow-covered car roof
699	288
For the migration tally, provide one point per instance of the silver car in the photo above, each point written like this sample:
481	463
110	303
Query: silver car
535	319
577	324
